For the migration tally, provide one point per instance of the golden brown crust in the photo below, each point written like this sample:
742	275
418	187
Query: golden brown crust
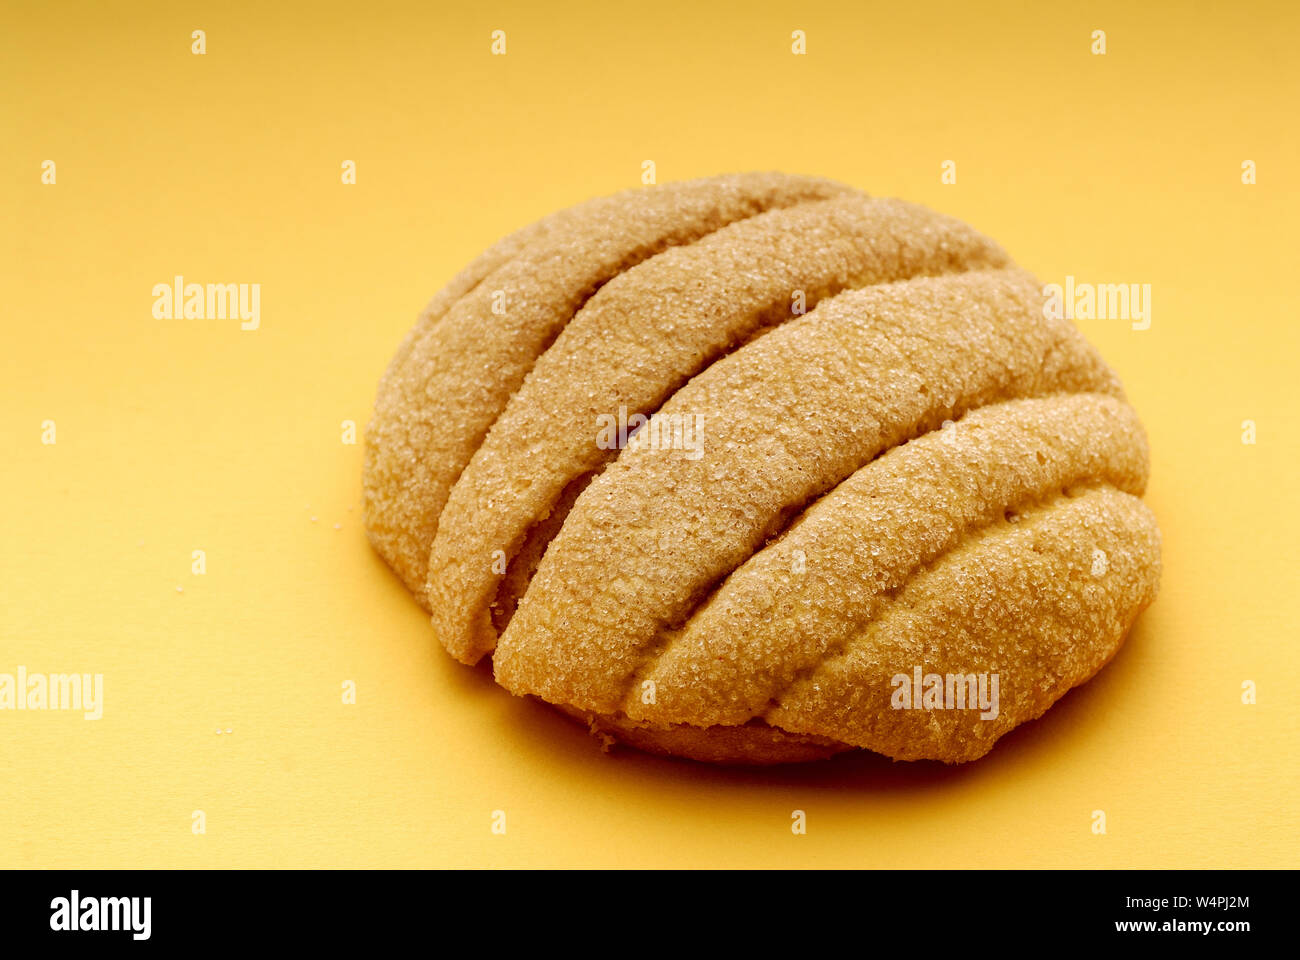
787	417
455	376
636	342
482	266
844	561
1029	602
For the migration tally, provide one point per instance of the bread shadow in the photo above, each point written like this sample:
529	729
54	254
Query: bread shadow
542	729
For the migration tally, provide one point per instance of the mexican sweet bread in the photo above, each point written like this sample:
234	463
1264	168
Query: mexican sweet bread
882	500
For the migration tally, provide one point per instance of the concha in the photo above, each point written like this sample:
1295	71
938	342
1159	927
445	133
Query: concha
758	469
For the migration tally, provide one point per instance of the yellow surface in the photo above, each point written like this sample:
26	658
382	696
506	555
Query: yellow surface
177	435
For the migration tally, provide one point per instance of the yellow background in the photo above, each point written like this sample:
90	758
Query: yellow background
191	434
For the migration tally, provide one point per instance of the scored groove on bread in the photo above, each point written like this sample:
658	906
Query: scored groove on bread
1021	600
788	416
523	561
755	743
846	558
461	285
455	377
634	343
